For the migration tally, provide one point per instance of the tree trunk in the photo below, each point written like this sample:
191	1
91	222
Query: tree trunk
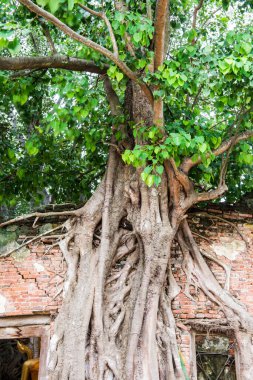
116	321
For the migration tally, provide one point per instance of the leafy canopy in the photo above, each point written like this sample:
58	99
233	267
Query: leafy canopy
56	125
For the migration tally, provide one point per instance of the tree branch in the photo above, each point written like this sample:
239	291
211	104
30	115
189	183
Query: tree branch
89	43
31	241
195	101
51	62
112	97
195	13
161	19
209	195
47	34
149	10
120	6
40	215
188	163
182	178
103	16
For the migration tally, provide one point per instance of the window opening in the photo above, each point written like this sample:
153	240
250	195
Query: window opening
215	357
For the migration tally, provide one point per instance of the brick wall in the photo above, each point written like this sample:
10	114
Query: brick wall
227	243
32	283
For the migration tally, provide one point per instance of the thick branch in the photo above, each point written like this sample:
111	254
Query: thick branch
161	19
103	16
188	163
210	195
182	178
52	62
87	42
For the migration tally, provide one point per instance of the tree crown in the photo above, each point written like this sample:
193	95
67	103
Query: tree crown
56	121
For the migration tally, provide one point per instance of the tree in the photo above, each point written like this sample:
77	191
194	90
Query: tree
178	79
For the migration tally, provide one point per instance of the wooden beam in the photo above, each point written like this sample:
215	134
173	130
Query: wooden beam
28	327
21	321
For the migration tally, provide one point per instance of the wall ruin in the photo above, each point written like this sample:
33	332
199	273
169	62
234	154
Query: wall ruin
31	279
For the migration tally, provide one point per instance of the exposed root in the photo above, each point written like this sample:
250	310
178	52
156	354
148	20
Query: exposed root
117	317
227	268
239	320
210	216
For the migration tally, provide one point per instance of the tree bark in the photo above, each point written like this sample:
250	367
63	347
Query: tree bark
116	321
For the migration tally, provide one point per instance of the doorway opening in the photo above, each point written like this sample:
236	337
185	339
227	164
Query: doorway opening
24	342
215	357
19	359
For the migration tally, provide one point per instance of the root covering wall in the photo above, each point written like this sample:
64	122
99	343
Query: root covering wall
31	281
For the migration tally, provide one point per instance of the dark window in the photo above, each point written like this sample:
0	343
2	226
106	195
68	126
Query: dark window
215	358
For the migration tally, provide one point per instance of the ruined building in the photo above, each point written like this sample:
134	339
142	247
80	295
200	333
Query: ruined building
31	281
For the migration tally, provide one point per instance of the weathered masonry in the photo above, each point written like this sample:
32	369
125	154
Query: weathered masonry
31	282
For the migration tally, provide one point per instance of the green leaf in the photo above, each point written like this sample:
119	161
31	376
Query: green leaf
20	173
246	47
119	16
42	3
150	180
183	77
137	37
11	153
14	46
31	148
54	5
191	35
246	158
195	157
160	169
157	180
20	98
119	76
176	138
165	154
71	4
147	170
203	147
144	176
3	43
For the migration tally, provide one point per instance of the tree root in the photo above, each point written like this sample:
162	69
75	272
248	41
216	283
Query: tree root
116	317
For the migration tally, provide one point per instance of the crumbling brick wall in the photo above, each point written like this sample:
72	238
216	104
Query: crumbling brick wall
228	237
31	282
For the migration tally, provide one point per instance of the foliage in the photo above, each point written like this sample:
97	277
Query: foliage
56	124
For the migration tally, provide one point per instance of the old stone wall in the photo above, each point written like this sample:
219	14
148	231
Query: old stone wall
31	279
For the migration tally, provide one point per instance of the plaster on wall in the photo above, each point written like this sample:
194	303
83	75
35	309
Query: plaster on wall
39	268
228	247
3	302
